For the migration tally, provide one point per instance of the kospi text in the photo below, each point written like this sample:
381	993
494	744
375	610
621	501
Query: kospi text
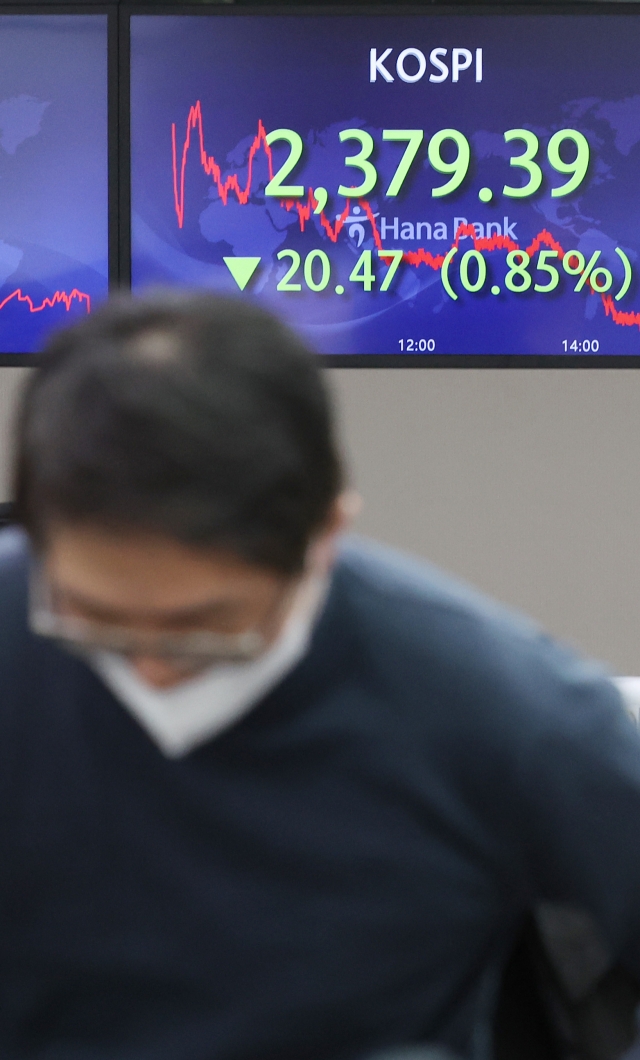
411	64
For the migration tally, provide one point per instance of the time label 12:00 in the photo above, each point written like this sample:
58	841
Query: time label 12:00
455	164
417	345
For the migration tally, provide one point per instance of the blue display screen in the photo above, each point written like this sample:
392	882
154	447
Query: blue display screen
441	184
53	173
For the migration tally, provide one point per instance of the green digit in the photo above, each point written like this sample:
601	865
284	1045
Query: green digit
275	186
578	167
473	255
542	266
414	138
518	268
362	271
458	167
325	275
524	161
396	258
360	162
285	283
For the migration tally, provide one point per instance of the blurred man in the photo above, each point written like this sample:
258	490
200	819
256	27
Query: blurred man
267	793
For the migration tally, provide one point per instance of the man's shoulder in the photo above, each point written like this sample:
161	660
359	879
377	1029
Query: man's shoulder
14	563
414	597
14	548
439	640
14	580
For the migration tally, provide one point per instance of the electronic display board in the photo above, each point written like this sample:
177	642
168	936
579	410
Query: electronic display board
409	184
53	173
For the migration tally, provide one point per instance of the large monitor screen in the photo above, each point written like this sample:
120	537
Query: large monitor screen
53	173
437	184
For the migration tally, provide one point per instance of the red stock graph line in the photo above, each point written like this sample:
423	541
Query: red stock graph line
306	209
210	166
59	297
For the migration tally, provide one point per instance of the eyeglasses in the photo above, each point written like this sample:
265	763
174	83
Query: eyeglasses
187	651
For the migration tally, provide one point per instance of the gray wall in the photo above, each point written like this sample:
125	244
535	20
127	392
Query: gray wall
10	381
524	482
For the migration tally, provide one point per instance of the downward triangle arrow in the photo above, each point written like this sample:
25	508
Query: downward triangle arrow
242	269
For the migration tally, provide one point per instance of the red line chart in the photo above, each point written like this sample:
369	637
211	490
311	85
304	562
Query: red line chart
59	297
210	166
307	208
618	316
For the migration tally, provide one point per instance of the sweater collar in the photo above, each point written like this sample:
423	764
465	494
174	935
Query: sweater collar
182	718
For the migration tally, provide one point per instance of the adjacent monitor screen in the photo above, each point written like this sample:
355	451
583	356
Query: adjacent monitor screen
53	173
441	184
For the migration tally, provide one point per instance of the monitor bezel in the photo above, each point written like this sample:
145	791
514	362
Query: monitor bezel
30	360
608	8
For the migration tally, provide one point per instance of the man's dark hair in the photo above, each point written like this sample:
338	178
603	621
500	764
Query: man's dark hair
197	417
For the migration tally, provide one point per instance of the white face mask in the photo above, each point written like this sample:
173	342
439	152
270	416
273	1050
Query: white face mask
187	715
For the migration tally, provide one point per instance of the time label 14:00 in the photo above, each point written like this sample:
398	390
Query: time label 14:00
449	142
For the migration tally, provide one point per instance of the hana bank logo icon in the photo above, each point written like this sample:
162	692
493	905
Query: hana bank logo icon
355	223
